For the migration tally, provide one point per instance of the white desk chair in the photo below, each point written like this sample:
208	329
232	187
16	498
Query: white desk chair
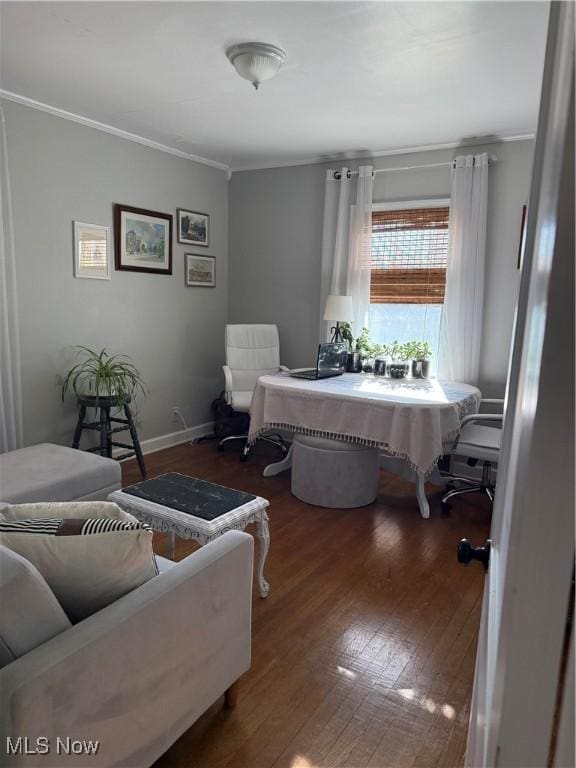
251	351
477	442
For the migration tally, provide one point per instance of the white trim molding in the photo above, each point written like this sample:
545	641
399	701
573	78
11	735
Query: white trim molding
154	444
256	166
111	129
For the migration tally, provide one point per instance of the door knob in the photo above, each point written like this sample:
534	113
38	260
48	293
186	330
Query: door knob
467	553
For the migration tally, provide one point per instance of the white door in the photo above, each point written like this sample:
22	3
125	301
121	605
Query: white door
532	538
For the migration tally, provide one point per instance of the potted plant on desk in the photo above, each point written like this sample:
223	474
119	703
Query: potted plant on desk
420	353
398	368
358	349
380	352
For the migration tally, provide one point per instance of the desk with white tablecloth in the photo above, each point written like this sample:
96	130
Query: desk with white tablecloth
416	420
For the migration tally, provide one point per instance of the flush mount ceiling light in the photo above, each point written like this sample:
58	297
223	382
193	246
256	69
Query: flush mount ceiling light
256	62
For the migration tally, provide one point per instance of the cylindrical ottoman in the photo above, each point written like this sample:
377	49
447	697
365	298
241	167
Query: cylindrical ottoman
333	473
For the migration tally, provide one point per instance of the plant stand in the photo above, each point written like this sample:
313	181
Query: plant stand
104	425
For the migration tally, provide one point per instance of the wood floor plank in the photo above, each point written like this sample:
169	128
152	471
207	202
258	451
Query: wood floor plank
363	653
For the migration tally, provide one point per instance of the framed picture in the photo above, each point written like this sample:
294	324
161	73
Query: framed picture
143	240
193	227
522	242
92	251
200	270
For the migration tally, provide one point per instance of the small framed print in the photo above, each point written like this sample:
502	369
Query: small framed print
200	270
92	251
143	240
193	227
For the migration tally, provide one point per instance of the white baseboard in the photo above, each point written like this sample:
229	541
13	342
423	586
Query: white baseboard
173	438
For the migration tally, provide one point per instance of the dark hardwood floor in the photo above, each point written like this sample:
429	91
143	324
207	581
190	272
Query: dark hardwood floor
363	653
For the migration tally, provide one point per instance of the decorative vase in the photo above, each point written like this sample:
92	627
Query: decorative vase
354	362
420	369
398	370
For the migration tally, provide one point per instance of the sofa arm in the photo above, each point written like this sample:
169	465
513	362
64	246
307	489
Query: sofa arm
137	674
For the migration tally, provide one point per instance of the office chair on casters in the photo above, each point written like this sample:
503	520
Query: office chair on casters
251	351
477	443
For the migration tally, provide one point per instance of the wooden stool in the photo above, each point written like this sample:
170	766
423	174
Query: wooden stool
103	425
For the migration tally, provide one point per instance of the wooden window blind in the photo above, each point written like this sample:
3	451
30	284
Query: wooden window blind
409	255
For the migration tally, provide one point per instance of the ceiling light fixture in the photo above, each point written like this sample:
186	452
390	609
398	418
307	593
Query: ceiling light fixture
256	62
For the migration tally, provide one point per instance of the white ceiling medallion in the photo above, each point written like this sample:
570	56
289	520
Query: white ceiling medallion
256	62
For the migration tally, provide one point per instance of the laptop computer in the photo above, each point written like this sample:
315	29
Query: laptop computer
331	361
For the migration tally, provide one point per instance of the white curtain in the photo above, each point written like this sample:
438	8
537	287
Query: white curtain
10	377
346	241
461	333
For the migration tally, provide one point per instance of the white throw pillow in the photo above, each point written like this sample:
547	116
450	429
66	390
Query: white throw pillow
29	613
87	566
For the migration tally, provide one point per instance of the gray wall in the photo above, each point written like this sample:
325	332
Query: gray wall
61	172
276	245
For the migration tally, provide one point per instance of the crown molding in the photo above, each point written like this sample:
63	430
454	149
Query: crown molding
351	156
90	123
269	165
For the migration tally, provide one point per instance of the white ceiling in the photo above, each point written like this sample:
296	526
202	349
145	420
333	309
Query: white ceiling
361	77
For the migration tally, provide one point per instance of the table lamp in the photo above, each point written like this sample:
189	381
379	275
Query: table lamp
339	310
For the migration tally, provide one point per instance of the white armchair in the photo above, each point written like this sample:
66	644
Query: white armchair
251	351
477	443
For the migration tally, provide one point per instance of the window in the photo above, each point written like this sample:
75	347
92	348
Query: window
408	274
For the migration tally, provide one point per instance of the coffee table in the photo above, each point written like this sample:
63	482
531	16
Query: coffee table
196	509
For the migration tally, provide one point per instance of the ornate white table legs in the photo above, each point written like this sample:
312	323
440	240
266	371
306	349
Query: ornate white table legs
271	470
263	534
421	496
174	523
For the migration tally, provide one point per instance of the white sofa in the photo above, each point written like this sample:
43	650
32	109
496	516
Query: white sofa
138	673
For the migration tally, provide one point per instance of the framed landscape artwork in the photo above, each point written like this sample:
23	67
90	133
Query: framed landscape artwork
143	240
193	227
92	251
200	270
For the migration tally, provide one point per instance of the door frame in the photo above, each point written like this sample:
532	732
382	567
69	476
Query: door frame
528	585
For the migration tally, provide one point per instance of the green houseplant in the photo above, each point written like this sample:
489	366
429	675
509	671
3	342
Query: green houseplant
420	353
359	347
99	375
398	368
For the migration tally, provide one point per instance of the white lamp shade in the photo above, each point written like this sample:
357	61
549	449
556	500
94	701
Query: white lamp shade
339	309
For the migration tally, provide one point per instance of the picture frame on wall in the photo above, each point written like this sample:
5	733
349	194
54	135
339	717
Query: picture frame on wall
143	240
200	270
92	251
193	227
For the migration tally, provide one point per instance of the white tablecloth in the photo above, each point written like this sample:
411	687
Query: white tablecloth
416	419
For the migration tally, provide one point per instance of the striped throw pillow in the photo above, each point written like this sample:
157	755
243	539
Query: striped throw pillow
71	526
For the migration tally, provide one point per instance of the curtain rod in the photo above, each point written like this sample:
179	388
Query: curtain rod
338	174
